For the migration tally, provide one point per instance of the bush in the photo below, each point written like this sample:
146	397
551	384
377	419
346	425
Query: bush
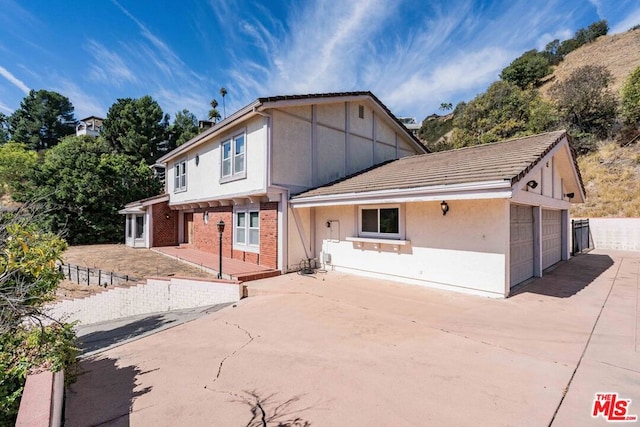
585	102
631	98
25	350
527	70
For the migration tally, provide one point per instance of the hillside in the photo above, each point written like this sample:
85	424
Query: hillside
620	53
611	173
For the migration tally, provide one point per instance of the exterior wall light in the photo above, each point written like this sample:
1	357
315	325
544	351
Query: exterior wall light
444	207
532	184
570	195
220	227
205	217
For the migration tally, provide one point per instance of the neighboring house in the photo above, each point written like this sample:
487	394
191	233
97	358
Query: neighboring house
91	125
411	123
244	169
336	177
479	219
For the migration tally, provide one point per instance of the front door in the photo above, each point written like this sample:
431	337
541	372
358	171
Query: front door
188	228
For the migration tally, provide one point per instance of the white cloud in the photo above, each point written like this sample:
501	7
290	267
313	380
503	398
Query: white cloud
14	80
84	104
628	22
5	108
109	68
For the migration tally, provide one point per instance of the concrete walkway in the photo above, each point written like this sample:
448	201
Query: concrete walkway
339	350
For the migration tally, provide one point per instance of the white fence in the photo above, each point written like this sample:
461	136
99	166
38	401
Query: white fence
157	295
615	233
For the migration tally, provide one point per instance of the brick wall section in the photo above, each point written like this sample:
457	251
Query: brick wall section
205	236
269	234
165	225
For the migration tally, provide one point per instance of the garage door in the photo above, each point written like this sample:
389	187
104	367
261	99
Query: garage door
521	259
551	237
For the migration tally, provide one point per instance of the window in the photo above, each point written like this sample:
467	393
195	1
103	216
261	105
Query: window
139	226
380	221
233	157
180	182
247	229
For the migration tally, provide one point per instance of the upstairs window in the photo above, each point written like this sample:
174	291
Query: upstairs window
180	181
233	157
380	221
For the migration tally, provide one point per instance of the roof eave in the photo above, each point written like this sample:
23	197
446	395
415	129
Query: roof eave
501	189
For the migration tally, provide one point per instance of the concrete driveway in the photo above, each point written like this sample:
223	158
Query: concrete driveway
339	350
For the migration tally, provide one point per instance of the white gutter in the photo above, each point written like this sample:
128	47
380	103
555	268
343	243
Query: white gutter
482	190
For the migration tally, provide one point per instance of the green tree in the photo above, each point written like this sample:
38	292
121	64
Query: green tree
445	106
183	128
631	98
4	128
585	102
136	127
223	93
28	279
42	120
504	111
527	70
16	165
214	114
84	184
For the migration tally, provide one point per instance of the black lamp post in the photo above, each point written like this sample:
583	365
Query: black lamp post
220	227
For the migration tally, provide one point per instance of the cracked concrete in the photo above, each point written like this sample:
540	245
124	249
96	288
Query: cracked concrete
361	352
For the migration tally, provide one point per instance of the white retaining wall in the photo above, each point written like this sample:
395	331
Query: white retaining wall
157	295
615	233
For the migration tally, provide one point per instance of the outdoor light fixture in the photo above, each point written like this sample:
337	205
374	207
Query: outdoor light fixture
220	227
532	184
167	216
205	217
445	207
570	195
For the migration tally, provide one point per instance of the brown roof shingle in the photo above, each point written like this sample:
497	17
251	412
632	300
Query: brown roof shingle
508	160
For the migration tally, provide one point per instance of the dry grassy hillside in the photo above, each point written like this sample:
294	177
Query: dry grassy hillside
612	181
612	174
620	53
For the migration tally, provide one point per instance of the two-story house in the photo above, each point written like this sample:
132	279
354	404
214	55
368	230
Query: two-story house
338	178
244	169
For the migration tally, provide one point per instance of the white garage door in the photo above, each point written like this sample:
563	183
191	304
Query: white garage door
521	263
551	237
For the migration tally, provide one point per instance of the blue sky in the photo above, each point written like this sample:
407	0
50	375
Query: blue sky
413	54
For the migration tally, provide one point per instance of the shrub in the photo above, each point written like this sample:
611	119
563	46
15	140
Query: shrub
24	350
631	98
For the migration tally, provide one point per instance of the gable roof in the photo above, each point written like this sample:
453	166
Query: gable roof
508	162
264	103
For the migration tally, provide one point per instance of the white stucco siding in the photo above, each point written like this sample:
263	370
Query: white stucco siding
331	115
547	184
361	126
384	133
331	154
203	176
385	152
360	153
291	154
464	250
299	232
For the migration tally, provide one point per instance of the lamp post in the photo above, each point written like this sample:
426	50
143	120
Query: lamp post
220	227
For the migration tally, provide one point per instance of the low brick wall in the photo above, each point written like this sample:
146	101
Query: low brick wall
155	296
41	403
615	233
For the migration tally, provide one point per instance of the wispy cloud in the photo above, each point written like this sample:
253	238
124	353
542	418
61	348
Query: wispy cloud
84	103
628	22
5	108
109	67
14	80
